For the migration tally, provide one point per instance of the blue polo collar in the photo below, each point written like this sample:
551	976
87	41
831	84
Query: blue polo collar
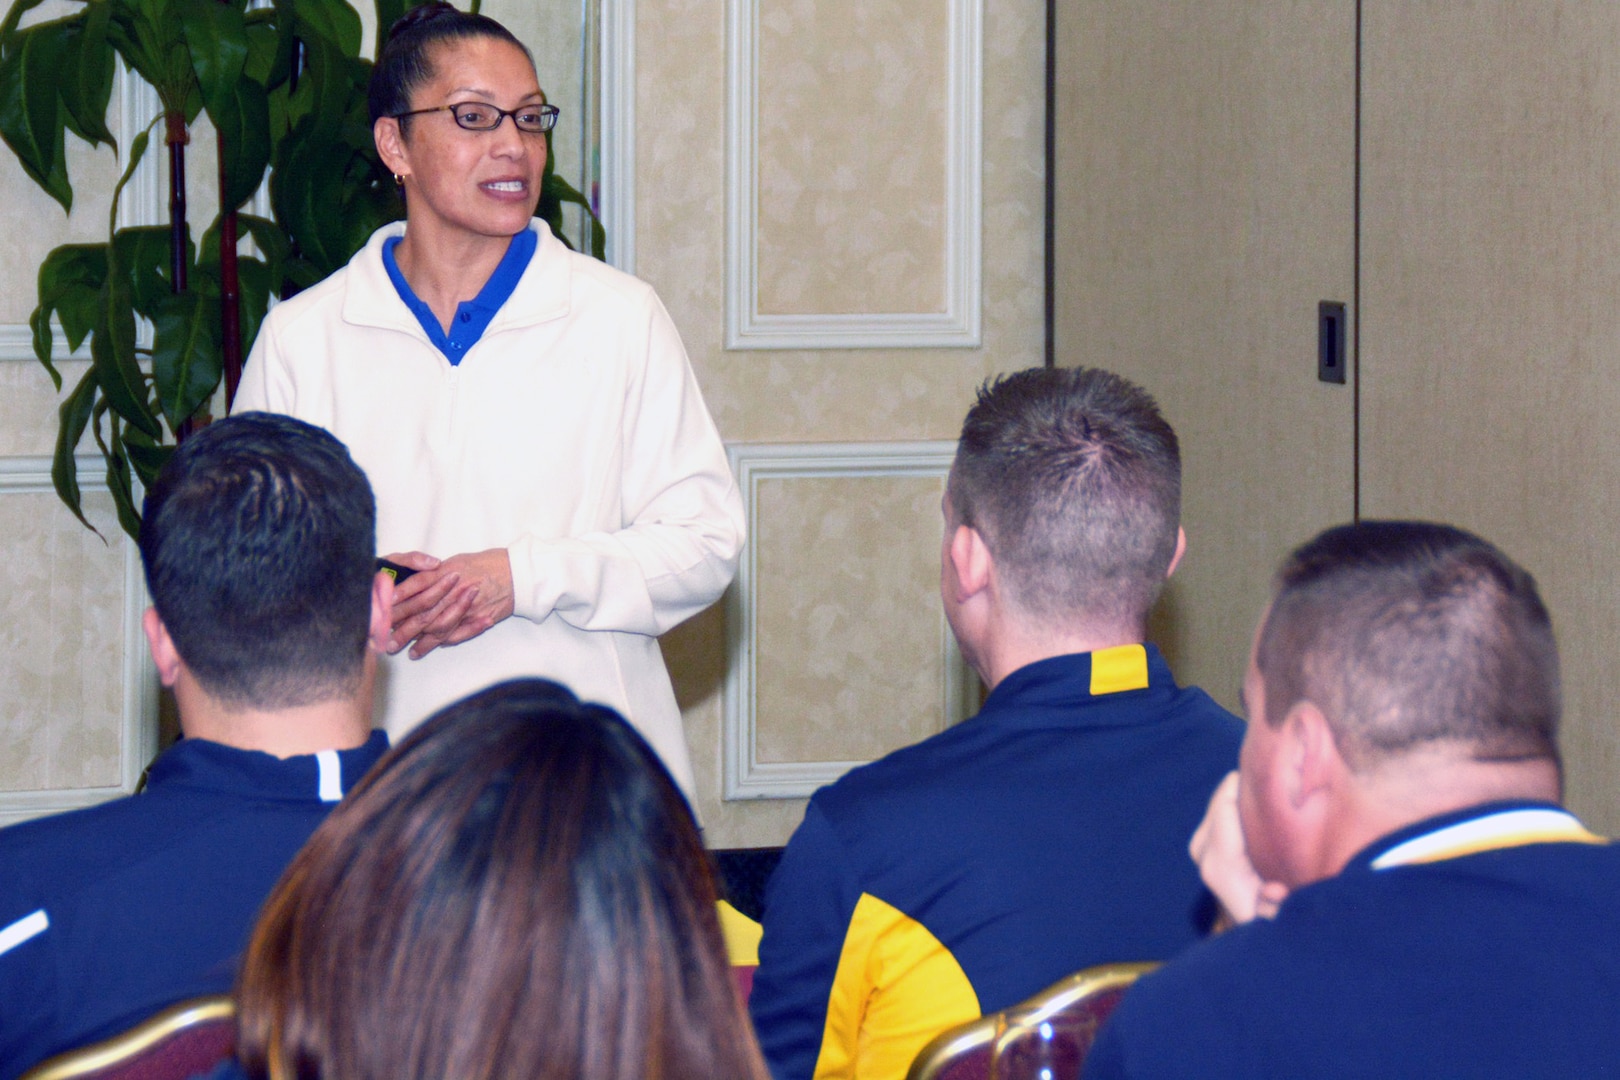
1060	680
473	316
199	764
1487	827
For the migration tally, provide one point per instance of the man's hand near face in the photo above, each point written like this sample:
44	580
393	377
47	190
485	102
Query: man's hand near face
1223	860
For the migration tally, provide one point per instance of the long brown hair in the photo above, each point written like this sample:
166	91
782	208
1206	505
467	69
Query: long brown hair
517	890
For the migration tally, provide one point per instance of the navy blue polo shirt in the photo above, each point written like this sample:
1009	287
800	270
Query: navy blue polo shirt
111	913
1483	943
473	317
1046	834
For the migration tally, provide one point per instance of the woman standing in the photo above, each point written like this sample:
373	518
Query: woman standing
527	416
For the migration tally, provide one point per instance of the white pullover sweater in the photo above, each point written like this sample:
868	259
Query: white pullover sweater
572	434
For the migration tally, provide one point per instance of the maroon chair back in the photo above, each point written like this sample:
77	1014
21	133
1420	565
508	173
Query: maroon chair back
1054	1029
176	1044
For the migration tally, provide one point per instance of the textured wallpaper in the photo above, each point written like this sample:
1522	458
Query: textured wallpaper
849	663
61	645
865	395
852	137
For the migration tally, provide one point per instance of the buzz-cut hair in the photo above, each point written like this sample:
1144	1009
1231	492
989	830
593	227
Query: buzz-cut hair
259	544
1073	478
1409	633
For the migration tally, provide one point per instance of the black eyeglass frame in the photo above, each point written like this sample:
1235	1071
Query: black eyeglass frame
548	115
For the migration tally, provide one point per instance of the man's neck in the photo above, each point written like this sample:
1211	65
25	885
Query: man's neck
1424	783
334	724
1017	644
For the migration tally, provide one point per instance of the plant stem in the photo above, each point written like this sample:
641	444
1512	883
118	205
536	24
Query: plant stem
230	298
177	139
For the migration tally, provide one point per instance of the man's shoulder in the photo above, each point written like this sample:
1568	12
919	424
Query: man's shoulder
914	774
67	837
1427	959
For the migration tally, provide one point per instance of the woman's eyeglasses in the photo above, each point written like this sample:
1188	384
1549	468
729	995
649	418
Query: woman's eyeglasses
476	116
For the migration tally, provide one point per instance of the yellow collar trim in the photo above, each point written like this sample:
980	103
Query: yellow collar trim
1123	667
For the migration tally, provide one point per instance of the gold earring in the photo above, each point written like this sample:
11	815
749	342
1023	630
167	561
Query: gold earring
399	181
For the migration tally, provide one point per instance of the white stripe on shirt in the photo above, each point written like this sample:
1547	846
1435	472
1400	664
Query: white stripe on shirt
24	928
331	768
1510	828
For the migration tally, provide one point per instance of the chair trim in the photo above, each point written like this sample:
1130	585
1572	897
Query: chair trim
950	1044
176	1018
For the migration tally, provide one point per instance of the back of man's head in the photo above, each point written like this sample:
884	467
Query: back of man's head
1073	478
259	542
1407	635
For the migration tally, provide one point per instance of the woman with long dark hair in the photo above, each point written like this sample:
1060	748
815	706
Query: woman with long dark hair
518	890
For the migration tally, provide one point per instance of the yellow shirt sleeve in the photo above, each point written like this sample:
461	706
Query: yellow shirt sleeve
895	989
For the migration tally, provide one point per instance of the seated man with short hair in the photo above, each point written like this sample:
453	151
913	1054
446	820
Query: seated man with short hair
1048	833
1426	907
260	553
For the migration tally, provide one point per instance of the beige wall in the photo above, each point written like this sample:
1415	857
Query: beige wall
834	199
853	218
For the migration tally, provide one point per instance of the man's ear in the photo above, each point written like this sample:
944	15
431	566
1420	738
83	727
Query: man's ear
390	145
382	610
1181	549
970	562
164	654
1315	765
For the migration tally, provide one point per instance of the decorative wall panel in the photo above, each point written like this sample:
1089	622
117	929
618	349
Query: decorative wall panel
78	718
853	175
840	650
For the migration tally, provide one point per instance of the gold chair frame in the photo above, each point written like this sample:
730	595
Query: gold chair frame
952	1043
87	1060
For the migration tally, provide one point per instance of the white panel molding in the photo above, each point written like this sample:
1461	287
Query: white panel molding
744	776
142	202
958	326
17	343
138	721
618	129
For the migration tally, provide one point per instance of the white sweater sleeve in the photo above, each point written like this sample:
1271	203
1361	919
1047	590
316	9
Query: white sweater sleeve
682	513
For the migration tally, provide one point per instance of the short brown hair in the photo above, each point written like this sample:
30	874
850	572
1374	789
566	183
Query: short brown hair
517	890
1073	478
1406	633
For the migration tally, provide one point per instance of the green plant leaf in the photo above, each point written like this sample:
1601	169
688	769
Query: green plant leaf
32	116
118	483
186	362
39	322
303	195
243	121
264	42
281	65
272	242
326	77
87	76
388	12
554	191
73	415
146	455
142	253
112	355
332	22
14	19
254	286
70	281
216	40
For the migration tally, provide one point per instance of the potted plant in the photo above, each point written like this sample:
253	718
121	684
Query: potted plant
285	90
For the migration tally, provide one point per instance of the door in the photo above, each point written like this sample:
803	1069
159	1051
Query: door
1490	348
1204	205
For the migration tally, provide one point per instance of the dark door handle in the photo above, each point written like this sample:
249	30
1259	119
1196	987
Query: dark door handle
1330	358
